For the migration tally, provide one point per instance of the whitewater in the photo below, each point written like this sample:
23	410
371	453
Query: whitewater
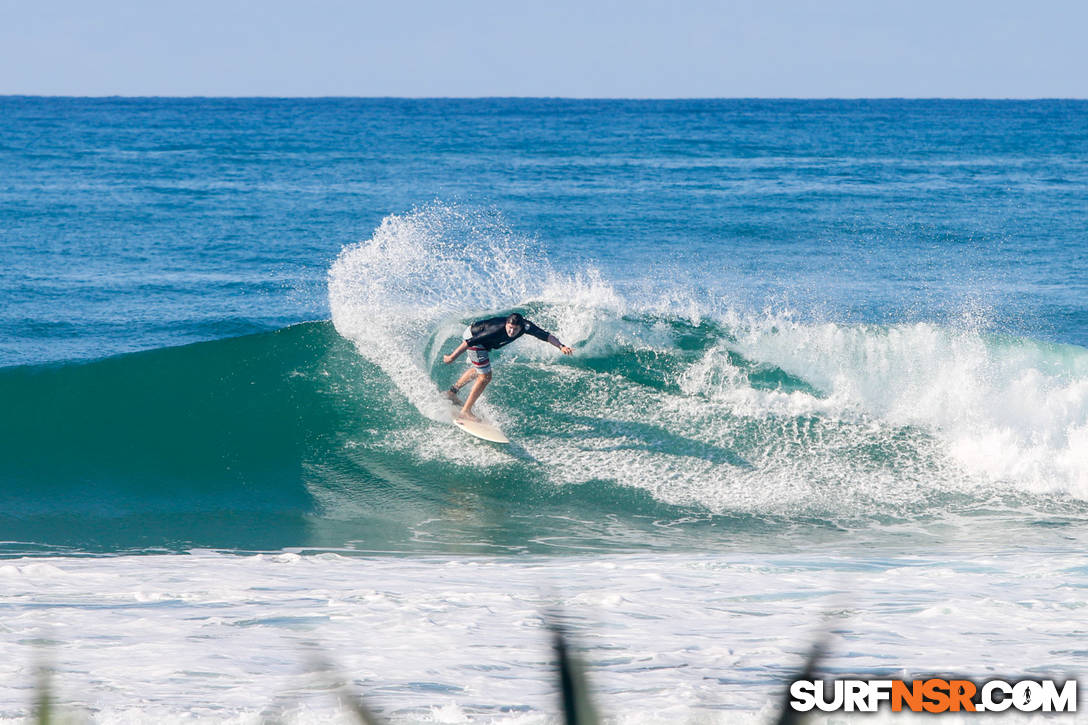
210	637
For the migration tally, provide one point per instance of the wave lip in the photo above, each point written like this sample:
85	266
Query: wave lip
402	294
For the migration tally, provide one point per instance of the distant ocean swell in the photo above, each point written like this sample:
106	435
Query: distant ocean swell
673	405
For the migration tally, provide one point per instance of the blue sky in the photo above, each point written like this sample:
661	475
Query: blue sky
635	48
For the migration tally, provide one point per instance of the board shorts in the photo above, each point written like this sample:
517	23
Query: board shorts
477	356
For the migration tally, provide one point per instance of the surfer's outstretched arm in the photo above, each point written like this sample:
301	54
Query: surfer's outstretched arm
455	354
545	336
554	341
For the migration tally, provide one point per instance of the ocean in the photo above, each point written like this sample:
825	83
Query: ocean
829	382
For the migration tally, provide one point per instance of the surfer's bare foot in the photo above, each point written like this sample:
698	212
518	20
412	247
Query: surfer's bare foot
468	416
450	394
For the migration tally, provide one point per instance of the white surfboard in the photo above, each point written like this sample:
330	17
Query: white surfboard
479	428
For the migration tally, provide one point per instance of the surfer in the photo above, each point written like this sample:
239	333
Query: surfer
479	339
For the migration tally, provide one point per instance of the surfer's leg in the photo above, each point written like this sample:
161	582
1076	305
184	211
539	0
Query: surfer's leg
481	365
456	387
477	388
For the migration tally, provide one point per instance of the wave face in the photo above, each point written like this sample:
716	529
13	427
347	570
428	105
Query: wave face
680	420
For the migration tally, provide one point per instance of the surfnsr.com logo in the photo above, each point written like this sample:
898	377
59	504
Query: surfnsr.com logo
934	695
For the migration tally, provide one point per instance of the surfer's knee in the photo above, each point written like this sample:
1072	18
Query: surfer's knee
485	377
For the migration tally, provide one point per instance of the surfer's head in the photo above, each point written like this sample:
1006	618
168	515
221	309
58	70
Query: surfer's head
515	323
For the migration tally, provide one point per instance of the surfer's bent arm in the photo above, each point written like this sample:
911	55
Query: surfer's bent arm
456	353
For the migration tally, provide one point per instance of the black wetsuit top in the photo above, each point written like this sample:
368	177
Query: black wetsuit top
491	333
